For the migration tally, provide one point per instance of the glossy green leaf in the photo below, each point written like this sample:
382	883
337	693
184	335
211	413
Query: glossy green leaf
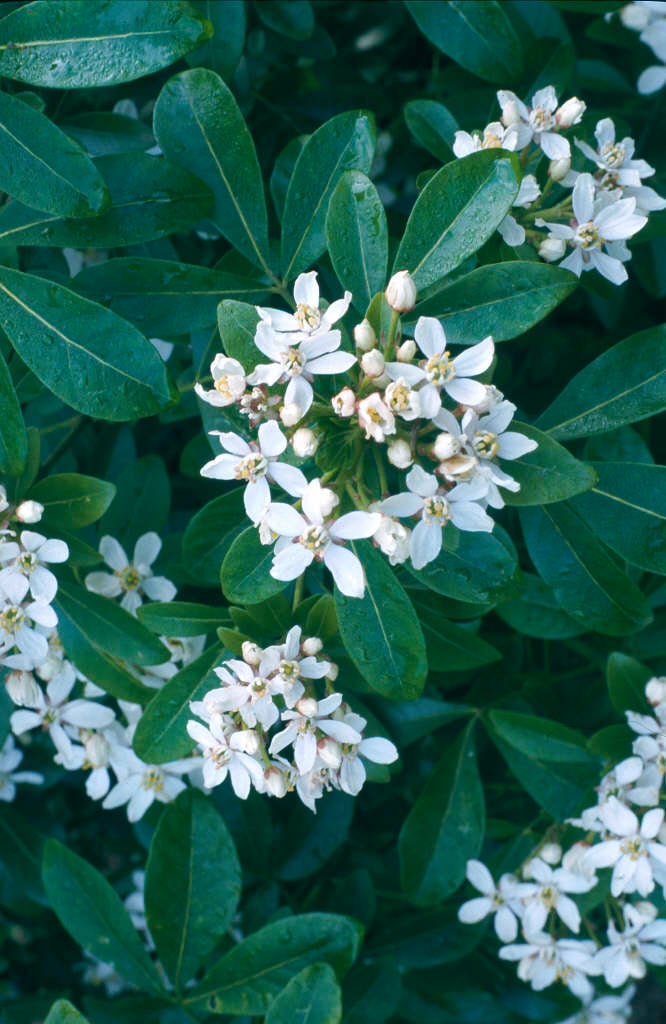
193	884
381	631
623	385
102	134
311	997
450	648
547	474
89	357
346	142
411	720
535	612
433	127
80	43
283	170
237	324
143	495
477	34
161	297
584	578
626	679
445	826
480	569
245	573
626	509
21	853
209	535
503	299
150	198
181	618
94	915
72	500
357	237
42	167
457	211
371	992
198	124
223	51
63	1012
161	734
292	18
248	978
13	435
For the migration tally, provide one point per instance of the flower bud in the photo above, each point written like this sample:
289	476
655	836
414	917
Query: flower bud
655	690
329	752
558	169
333	672
4	504
23	689
97	750
328	500
307	706
312	645
291	414
29	512
252	653
276	782
552	249
401	292
551	853
304	442
400	454
445	446
570	112
364	336
510	114
634	17
406	352
344	402
392	539
247	741
372	363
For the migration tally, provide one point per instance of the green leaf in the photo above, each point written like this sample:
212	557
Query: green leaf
535	612
43	167
209	535
626	679
381	632
89	357
292	18
13	435
198	124
433	127
161	297
627	511
72	500
143	496
311	997
21	853
82	43
457	211
503	299
547	474
181	618
237	324
477	34
193	884
346	142
93	914
450	648
101	133
371	993
150	198
550	761
480	570
357	237
248	978
62	1012
411	720
625	384
584	578
245	573
161	734
445	826
224	50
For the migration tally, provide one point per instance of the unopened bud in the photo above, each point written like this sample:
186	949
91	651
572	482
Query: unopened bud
333	672
97	750
445	446
364	336
552	249
3	499
307	706
312	645
655	690
304	442
29	512
344	403
372	363
551	853
276	782
328	500
406	352
399	454
510	114
247	741
570	112
401	292
329	752
251	652
23	689
291	414
634	17
558	169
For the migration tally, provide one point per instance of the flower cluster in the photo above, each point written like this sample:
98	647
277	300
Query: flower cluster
625	833
407	406
597	211
648	18
276	686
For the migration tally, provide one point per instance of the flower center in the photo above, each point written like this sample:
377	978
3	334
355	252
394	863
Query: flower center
633	847
27	562
129	578
153	779
541	120
549	896
229	386
491	140
400	397
612	154
588	236
292	360
307	317
251	468
11	619
314	539
485	444
289	669
436	509
440	369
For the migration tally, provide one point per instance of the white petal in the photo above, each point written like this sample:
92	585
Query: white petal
332	362
112	553
405	504
103	583
555	146
425	543
289	478
465	391
285	520
52	551
378	750
256	499
583	198
291	562
479	876
513	445
306	290
43	584
429	336
346	570
476	359
159	588
354	525
271	440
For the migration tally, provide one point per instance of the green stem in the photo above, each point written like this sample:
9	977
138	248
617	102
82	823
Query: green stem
298	594
389	350
380	470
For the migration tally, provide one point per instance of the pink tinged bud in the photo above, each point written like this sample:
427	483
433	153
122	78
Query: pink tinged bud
406	352
558	169
400	454
655	691
372	363
570	112
291	414
29	512
552	249
364	336
344	403
304	442
445	446
23	689
401	292
329	752
251	653
312	645
307	706
276	782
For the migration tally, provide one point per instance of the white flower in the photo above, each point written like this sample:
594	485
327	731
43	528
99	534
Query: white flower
495	136
224	754
308	321
510	230
309	721
304	538
570	113
536	124
10	759
140	784
344	403
628	951
375	417
256	464
544	960
134	579
17	625
605	1009
633	853
616	158
229	382
392	539
402	400
550	894
502	900
28	559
